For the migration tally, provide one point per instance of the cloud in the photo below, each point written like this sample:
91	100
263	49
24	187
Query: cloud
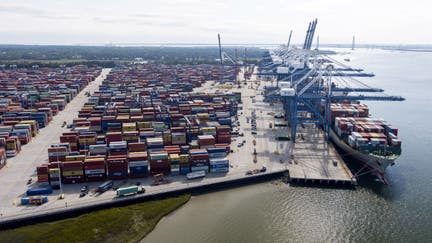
147	15
148	21
33	12
104	20
21	10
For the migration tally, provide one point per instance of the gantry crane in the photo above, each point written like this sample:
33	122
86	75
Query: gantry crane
308	82
224	56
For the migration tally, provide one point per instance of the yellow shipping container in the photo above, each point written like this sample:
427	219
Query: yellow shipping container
175	166
87	140
178	139
203	115
75	158
72	173
72	144
53	171
93	159
130	126
184	158
174	157
144	125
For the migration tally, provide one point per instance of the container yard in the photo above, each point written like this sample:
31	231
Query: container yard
163	138
31	97
127	133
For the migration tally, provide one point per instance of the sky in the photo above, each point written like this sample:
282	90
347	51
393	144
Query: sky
199	21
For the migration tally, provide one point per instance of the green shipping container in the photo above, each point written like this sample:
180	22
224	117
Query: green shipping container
127	191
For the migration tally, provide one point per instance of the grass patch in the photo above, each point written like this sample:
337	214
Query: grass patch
122	224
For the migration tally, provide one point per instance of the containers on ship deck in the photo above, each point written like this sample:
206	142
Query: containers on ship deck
368	135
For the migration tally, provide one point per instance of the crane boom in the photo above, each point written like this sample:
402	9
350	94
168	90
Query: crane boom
289	40
221	59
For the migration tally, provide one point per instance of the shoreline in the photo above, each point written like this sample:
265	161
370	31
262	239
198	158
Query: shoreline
192	189
131	223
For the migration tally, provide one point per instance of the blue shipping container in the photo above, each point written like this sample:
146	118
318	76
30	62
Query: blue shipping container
138	170
118	174
27	200
219	166
184	171
39	191
216	150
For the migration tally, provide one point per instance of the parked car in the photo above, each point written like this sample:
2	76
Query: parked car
84	189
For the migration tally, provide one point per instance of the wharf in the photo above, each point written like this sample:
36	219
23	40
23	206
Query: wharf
57	209
311	160
316	161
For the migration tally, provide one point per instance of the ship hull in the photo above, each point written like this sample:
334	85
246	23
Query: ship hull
375	165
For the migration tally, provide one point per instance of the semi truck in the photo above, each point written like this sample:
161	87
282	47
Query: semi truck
105	186
129	191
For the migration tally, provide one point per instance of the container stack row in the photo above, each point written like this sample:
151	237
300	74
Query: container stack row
145	120
30	97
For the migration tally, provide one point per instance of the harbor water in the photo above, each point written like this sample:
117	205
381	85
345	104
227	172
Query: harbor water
276	212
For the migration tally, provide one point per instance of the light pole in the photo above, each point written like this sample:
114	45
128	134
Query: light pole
60	183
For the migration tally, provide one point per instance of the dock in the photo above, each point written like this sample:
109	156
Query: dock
311	160
316	161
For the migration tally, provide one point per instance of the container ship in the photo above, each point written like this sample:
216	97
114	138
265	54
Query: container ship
371	142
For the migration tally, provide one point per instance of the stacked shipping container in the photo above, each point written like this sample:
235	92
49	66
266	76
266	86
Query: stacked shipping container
30	97
142	125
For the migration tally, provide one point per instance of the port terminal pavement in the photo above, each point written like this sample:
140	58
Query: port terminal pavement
310	159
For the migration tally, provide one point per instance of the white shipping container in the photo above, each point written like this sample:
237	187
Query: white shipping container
219	161
287	92
356	135
351	140
282	70
284	85
198	168
53	154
